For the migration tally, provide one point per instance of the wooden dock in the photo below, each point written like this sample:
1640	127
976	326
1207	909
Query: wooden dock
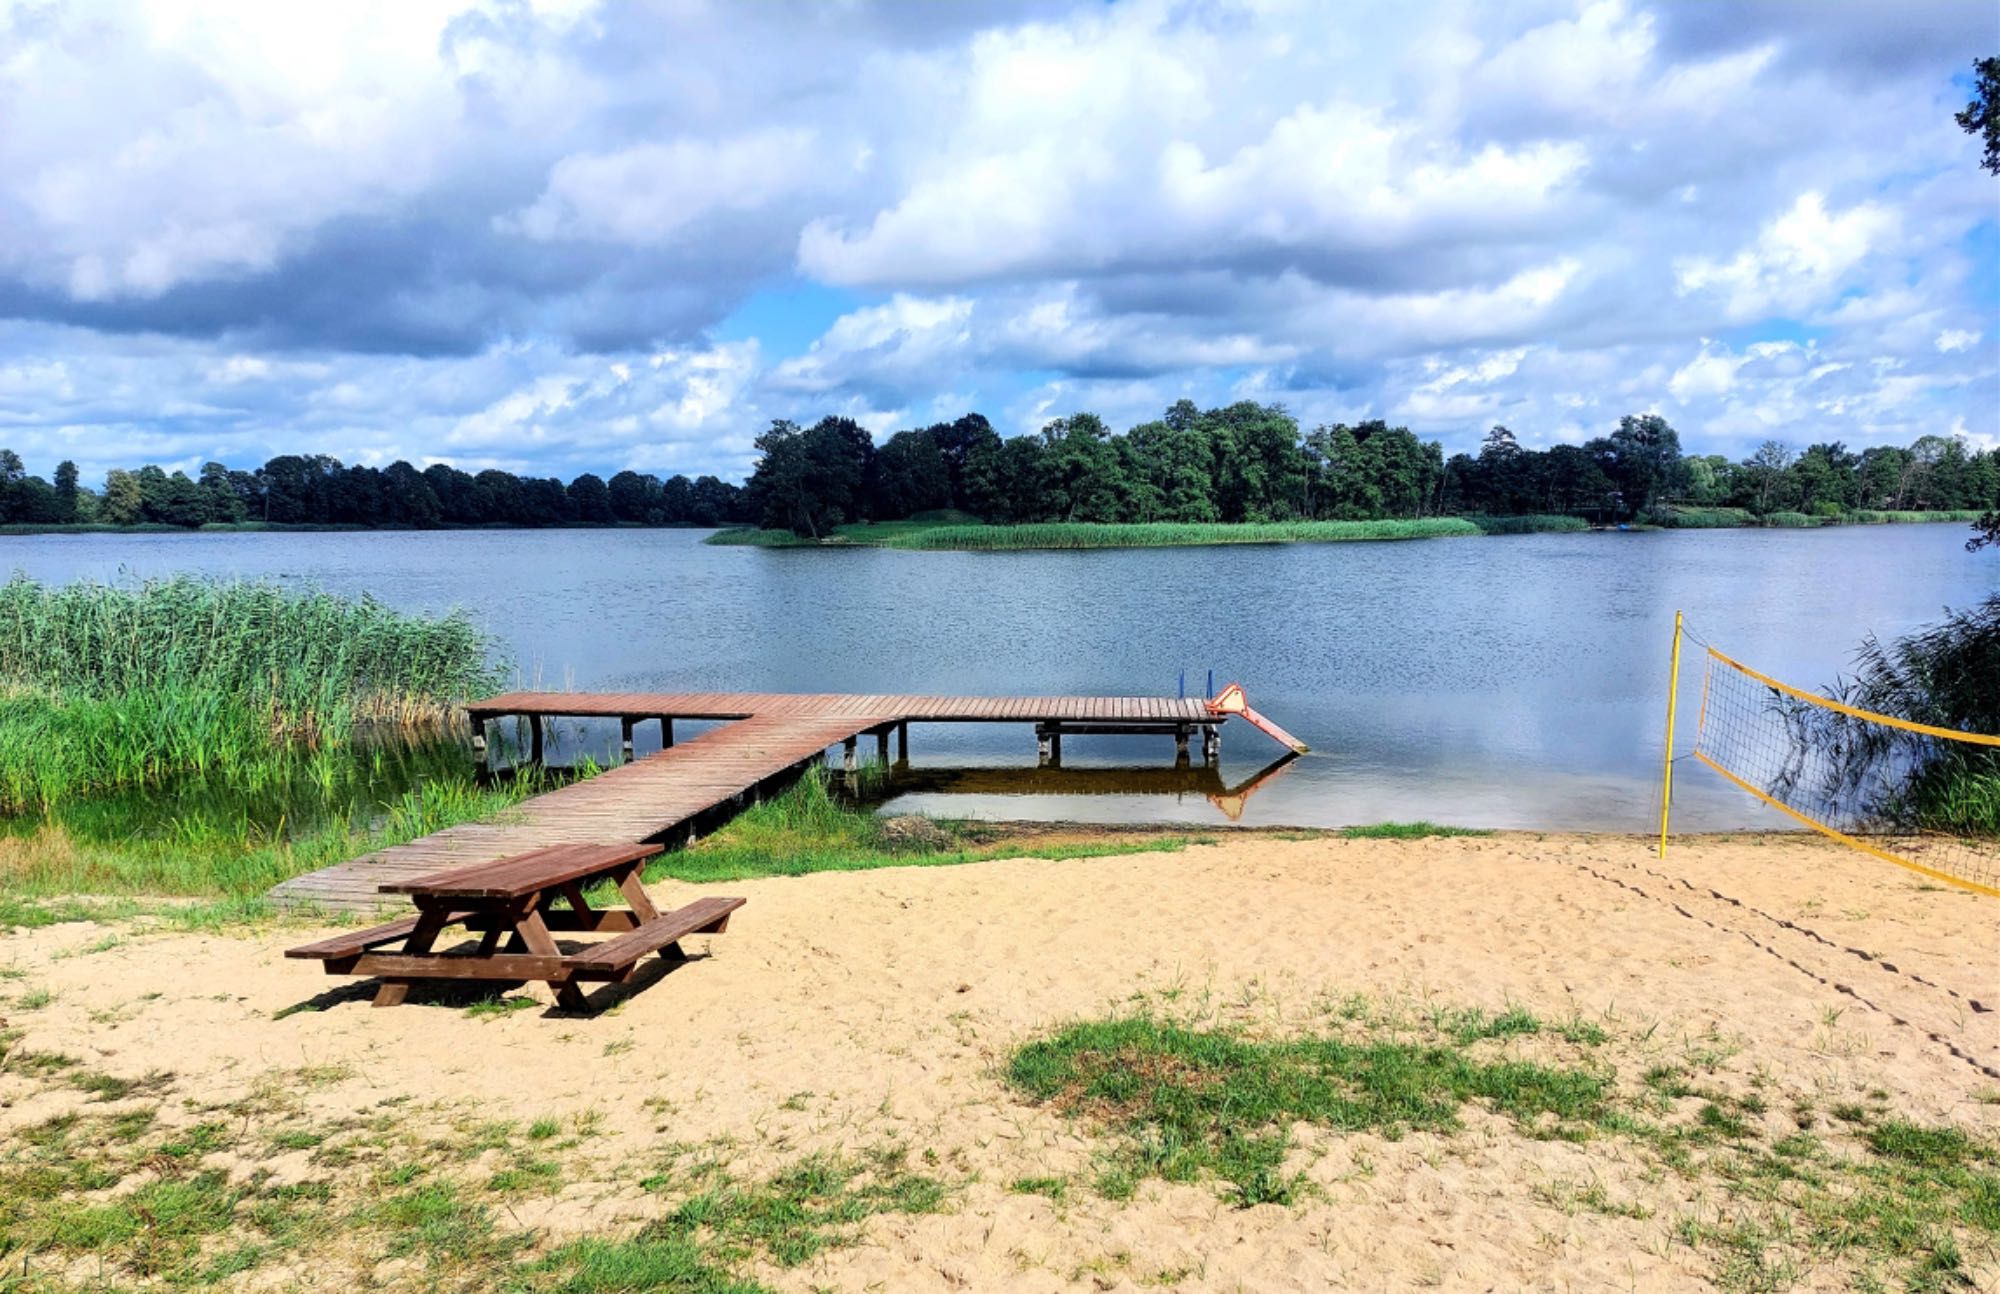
688	786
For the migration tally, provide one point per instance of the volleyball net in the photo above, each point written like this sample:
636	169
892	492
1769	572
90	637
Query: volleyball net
1922	797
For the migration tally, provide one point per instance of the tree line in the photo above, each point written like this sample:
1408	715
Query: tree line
1251	462
320	491
1243	462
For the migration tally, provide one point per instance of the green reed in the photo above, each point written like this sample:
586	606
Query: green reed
103	687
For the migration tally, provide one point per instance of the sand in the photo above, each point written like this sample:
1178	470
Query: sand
847	1010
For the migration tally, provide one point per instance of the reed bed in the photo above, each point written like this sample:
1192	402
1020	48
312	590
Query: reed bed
1876	517
104	687
1680	518
1534	523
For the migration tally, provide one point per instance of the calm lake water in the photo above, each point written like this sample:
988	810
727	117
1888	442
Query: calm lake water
1504	682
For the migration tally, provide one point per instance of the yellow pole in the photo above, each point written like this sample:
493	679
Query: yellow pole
1667	774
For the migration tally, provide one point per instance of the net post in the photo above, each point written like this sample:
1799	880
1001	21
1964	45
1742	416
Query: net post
1667	761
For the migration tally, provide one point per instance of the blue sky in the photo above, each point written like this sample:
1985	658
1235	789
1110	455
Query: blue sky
569	235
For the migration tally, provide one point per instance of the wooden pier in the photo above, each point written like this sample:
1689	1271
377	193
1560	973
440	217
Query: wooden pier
691	786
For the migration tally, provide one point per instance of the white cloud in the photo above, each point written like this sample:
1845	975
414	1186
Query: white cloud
649	192
1800	259
515	231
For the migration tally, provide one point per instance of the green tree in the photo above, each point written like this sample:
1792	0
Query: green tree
1080	470
123	503
1981	117
590	500
910	476
219	498
1766	472
68	506
1643	460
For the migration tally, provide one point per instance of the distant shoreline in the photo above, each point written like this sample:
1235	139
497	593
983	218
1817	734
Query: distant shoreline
957	537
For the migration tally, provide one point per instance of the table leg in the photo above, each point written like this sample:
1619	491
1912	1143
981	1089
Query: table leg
577	903
429	924
535	933
635	894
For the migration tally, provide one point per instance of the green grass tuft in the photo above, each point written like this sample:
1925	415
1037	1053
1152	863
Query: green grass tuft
1408	831
1199	1103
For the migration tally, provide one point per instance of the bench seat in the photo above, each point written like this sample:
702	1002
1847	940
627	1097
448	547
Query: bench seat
613	956
354	942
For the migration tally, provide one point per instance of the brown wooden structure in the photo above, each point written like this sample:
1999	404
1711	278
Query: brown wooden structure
691	786
514	899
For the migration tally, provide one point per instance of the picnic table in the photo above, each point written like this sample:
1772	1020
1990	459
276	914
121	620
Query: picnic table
511	900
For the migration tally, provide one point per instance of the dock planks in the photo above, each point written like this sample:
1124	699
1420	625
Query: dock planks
650	798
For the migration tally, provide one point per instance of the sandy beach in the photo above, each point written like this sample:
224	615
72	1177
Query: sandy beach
846	1012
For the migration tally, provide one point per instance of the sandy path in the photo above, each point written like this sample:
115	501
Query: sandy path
856	1009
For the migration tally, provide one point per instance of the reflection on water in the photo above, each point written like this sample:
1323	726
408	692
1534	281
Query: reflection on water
1507	682
1181	779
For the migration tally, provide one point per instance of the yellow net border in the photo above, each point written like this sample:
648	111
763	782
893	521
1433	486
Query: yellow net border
1877	783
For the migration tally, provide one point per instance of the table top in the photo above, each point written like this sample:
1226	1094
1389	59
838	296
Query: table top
522	874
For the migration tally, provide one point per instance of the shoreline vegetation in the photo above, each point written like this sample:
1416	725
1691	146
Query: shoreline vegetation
950	533
1246	473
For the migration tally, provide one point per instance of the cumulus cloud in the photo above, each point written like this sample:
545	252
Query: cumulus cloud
537	235
649	192
1800	259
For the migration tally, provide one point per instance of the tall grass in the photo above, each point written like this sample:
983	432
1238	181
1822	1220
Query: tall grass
116	848
1682	518
103	687
1534	523
1874	517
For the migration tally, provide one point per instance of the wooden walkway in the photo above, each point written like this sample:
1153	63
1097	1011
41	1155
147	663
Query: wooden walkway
665	794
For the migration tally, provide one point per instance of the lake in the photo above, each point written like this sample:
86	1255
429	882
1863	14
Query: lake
1512	681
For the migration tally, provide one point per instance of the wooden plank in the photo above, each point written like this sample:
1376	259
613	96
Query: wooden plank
521	874
658	794
709	914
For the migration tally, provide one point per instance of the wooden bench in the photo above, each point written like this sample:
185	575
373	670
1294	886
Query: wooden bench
510	900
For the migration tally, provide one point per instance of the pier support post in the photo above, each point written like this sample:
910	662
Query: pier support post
1048	744
1211	743
882	747
1180	741
625	738
479	751
903	743
850	761
666	731
534	739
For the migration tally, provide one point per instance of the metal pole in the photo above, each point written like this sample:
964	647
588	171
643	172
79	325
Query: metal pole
1667	768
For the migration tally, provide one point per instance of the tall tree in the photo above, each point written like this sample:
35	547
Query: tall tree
68	503
1981	116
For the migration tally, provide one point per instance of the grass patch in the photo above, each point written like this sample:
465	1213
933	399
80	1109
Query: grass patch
1419	830
814	827
1885	1201
1196	1103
